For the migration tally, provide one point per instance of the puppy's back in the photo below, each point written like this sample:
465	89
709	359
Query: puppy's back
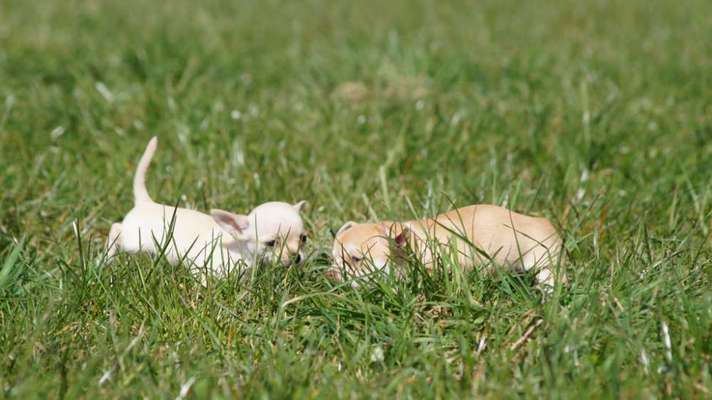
506	236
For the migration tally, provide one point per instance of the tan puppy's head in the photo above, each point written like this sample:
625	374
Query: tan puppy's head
360	249
272	230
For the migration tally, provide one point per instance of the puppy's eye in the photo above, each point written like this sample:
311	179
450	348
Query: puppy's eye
356	259
302	239
271	243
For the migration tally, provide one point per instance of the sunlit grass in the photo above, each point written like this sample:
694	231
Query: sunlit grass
596	115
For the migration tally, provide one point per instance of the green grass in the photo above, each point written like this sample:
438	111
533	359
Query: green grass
595	114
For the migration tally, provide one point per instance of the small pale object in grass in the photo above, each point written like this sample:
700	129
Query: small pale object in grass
56	132
353	92
104	92
105	377
580	193
377	354
185	389
75	228
644	360
482	345
238	156
456	118
666	341
236	115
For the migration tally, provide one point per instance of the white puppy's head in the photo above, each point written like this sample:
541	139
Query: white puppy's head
271	230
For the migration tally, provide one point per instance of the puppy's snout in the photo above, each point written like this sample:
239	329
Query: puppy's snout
333	275
292	259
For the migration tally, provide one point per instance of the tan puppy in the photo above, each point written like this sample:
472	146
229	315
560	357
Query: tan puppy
478	234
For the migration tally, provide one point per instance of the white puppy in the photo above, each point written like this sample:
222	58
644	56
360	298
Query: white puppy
212	242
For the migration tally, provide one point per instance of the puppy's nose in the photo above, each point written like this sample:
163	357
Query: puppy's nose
292	259
333	275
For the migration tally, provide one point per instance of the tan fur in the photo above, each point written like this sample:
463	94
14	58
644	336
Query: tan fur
505	237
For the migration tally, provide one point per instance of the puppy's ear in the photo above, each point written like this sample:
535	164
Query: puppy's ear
299	205
401	239
234	224
345	227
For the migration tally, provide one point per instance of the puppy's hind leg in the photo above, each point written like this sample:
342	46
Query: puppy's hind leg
545	279
549	272
113	242
544	272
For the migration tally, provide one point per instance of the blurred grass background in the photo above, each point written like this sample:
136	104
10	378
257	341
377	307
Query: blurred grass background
595	114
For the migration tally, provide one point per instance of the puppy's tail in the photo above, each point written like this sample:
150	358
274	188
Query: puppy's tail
139	183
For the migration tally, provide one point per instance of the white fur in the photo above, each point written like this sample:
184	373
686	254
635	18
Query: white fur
201	241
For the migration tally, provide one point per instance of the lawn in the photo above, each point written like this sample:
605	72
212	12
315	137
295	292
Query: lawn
597	115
